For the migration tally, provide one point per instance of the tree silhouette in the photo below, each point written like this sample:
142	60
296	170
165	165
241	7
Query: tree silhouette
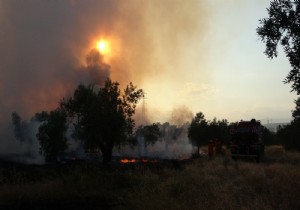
51	134
296	112
103	116
289	135
219	129
198	131
269	137
283	26
150	133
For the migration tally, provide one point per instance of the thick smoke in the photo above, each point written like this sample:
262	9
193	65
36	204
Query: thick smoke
181	116
47	49
173	143
22	145
96	71
44	45
43	51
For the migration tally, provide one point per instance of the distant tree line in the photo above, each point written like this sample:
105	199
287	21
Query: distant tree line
201	131
102	122
287	135
101	118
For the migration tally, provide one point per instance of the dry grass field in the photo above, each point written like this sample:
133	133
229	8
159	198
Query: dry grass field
218	183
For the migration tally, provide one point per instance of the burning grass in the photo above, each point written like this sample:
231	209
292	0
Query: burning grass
202	183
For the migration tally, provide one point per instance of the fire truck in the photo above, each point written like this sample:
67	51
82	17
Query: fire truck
246	140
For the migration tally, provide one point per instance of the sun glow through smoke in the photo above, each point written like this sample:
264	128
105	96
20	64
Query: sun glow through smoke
109	47
103	47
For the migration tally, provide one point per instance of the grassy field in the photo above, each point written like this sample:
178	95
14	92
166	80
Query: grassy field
203	183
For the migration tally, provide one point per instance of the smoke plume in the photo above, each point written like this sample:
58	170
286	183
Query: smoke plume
47	49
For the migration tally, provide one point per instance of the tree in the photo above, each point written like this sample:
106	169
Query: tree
103	116
289	135
269	137
296	112
198	131
219	129
150	133
283	26
51	133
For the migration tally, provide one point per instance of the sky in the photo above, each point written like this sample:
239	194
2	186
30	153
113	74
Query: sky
188	56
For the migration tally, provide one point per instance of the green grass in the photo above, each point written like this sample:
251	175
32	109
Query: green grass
219	183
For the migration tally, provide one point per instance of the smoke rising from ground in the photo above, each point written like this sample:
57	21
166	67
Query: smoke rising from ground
173	144
181	116
47	48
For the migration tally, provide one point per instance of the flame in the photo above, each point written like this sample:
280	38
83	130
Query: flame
126	160
134	160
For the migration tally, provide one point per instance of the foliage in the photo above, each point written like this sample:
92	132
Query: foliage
269	138
171	132
198	131
289	135
151	133
296	112
219	129
283	26
103	116
51	133
202	131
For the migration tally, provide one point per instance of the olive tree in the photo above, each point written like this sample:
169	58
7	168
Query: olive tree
102	116
283	26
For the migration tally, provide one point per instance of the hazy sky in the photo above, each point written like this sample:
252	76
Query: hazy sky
201	54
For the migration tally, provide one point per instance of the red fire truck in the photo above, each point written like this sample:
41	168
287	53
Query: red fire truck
246	140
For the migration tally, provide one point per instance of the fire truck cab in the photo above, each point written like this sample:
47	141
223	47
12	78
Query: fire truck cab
246	140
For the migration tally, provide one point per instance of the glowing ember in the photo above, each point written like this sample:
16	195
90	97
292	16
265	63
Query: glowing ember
134	160
128	160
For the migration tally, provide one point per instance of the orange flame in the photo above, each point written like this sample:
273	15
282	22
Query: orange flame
134	160
126	160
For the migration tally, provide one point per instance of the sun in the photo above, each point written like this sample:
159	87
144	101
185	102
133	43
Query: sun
102	46
108	47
